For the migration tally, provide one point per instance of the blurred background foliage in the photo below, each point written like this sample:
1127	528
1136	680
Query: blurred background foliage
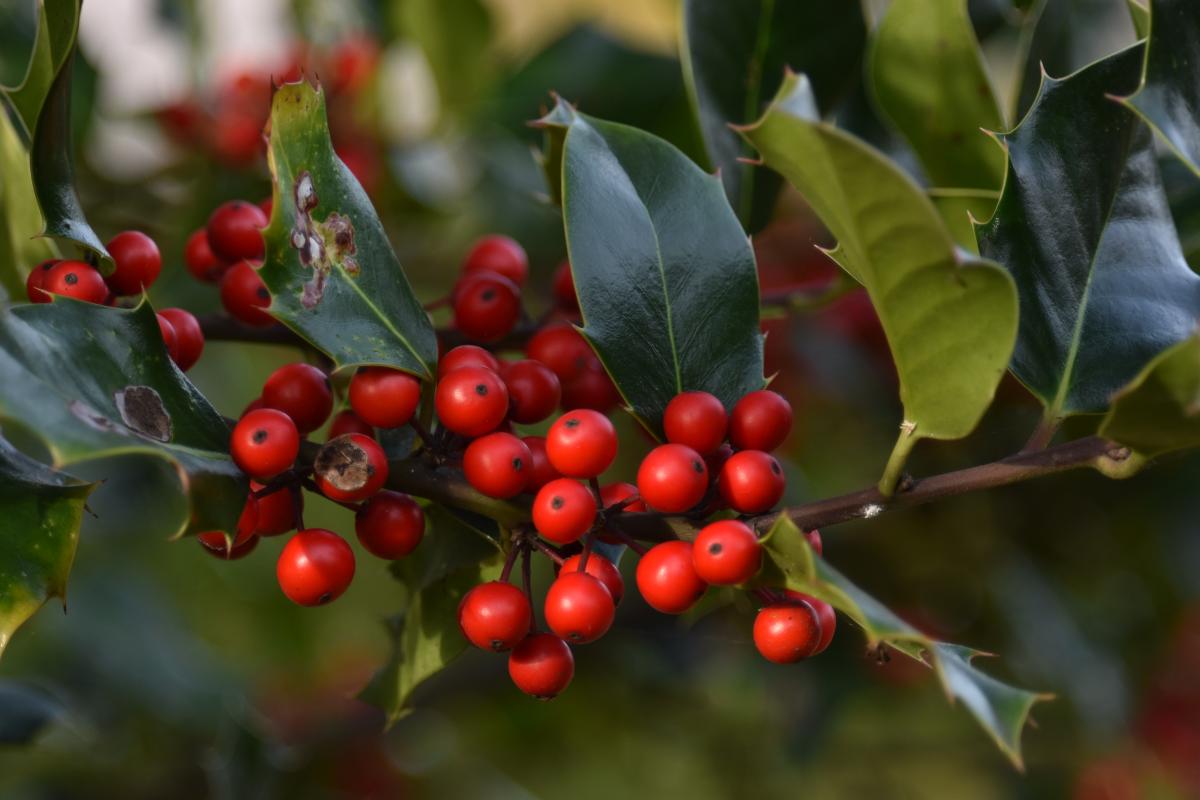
177	675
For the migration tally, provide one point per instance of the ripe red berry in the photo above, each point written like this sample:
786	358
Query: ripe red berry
726	553
814	541
245	296
751	481
315	567
667	579
214	544
486	306
471	401
787	632
498	465
541	471
581	443
302	392
591	388
495	616
579	607
761	420
541	666
390	525
533	391
348	422
277	510
563	510
200	260
602	570
168	336
467	355
350	468
35	281
826	617
76	279
235	231
696	419
562	349
563	286
672	478
264	443
614	493
383	397
138	263
243	540
189	338
501	255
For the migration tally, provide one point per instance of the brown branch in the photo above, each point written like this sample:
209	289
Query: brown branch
224	328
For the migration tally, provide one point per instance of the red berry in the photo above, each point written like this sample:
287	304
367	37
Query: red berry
76	279
751	481
264	443
214	544
826	617
541	665
243	540
245	296
383	397
591	388
254	405
563	510
277	510
696	419
471	401
498	465
787	632
563	286
715	460
501	255
302	392
189	338
349	422
667	579
200	260
138	263
315	567
235	230
168	336
467	355
533	391
486	306
602	570
814	541
35	281
614	493
390	525
350	468
562	349
541	471
579	608
726	553
672	478
495	616
582	443
761	420
267	204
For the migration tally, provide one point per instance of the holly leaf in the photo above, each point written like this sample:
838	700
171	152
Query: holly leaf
1000	709
1169	95
130	400
333	275
949	317
20	247
734	56
1084	227
42	510
54	41
664	273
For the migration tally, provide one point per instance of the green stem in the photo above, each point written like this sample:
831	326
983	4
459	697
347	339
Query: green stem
894	471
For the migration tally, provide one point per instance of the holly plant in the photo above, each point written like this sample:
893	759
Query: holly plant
473	438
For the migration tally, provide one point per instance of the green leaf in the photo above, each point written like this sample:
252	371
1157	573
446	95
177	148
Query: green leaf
1002	710
333	276
1159	411
455	36
42	510
734	56
930	80
20	222
131	399
1139	15
1169	96
57	25
665	275
959	208
950	318
1084	227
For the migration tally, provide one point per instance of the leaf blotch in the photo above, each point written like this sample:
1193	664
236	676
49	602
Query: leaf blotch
143	412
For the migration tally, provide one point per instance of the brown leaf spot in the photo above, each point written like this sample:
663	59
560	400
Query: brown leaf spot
143	412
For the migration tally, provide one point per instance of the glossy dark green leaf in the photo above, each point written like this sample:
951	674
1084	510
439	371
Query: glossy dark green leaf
21	248
333	275
665	275
1084	228
950	319
54	40
41	511
735	53
1169	97
1002	710
131	399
